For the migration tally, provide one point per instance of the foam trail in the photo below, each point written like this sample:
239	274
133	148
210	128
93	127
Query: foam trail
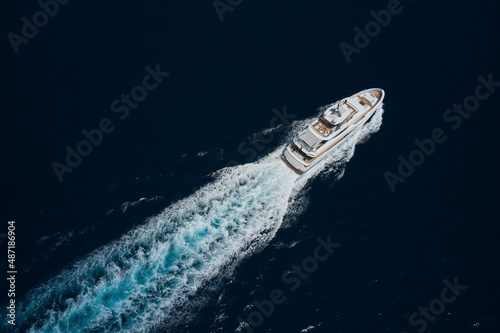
143	279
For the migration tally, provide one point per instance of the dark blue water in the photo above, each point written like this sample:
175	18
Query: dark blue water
397	247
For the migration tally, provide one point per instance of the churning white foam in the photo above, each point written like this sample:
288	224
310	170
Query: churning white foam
142	279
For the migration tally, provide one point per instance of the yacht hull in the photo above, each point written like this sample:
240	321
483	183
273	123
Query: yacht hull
294	157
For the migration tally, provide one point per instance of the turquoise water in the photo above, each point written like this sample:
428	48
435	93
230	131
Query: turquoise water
143	278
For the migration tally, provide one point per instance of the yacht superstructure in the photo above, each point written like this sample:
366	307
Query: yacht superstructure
337	123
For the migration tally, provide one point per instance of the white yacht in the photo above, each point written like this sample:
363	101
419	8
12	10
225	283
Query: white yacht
337	123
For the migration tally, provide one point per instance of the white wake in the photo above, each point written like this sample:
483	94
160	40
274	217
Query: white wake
144	278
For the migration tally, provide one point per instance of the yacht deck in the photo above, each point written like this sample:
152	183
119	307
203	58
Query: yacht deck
325	128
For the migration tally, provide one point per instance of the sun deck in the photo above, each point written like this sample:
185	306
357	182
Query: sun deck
361	103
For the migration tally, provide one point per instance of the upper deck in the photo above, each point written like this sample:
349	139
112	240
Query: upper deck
333	118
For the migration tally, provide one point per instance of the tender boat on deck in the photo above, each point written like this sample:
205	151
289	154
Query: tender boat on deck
337	123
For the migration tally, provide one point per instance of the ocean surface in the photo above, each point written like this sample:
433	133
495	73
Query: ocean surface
181	217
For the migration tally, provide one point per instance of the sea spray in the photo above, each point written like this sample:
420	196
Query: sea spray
148	275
